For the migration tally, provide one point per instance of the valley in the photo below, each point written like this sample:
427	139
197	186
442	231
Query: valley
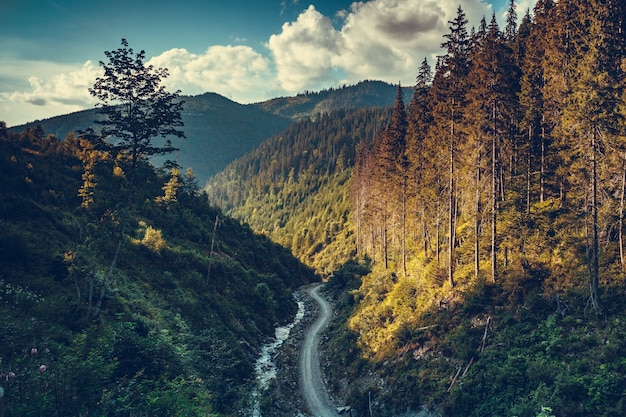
456	248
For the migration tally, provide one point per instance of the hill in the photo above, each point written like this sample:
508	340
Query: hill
295	187
217	131
311	104
172	328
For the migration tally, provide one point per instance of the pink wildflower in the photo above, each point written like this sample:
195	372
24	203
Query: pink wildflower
33	351
42	368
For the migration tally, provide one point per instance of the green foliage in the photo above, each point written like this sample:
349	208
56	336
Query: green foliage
296	186
218	131
165	341
310	105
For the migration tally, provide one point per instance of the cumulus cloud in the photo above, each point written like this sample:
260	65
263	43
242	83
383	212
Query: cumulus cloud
54	89
238	72
69	88
304	50
378	39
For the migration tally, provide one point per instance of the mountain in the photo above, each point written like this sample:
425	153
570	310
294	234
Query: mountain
219	130
310	104
171	327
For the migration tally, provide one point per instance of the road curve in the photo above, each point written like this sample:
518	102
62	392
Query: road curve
311	383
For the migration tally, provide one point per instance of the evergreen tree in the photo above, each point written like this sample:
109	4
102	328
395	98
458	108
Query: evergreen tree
390	180
532	106
448	95
510	31
591	112
490	113
419	154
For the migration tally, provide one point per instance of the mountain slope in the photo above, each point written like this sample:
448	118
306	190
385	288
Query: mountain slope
192	297
217	131
295	187
311	104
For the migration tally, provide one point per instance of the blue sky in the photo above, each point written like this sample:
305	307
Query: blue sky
247	50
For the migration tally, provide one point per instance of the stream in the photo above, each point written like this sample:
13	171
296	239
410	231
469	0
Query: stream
265	368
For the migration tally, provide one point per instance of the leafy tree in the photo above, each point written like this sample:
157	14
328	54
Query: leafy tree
137	106
138	110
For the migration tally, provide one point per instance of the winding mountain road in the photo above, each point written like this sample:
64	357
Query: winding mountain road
311	383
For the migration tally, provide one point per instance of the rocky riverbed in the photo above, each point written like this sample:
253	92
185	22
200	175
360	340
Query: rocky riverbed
282	397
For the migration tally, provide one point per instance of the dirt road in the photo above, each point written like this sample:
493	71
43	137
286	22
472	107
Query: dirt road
311	382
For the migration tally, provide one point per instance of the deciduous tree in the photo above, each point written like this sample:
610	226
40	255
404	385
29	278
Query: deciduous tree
138	110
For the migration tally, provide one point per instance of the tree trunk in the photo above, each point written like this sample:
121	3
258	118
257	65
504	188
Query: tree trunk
385	248
113	264
542	168
404	186
451	206
529	169
494	198
621	213
593	284
477	219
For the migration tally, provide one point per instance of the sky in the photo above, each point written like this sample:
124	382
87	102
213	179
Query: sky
246	50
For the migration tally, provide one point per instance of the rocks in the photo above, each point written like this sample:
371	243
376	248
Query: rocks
282	398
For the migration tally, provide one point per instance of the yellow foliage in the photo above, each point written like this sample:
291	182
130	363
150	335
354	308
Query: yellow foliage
118	171
152	238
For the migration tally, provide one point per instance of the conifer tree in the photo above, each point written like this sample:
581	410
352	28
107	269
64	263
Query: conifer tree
491	102
532	106
448	94
510	31
389	171
591	112
170	189
419	154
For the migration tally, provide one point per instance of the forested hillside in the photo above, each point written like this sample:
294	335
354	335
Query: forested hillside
487	218
311	104
219	130
167	323
295	186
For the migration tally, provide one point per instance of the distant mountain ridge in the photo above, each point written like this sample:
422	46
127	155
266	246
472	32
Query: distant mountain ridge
310	104
219	130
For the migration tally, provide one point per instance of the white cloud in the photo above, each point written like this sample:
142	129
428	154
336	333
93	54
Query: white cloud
376	39
52	90
379	39
524	5
304	50
237	72
234	71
